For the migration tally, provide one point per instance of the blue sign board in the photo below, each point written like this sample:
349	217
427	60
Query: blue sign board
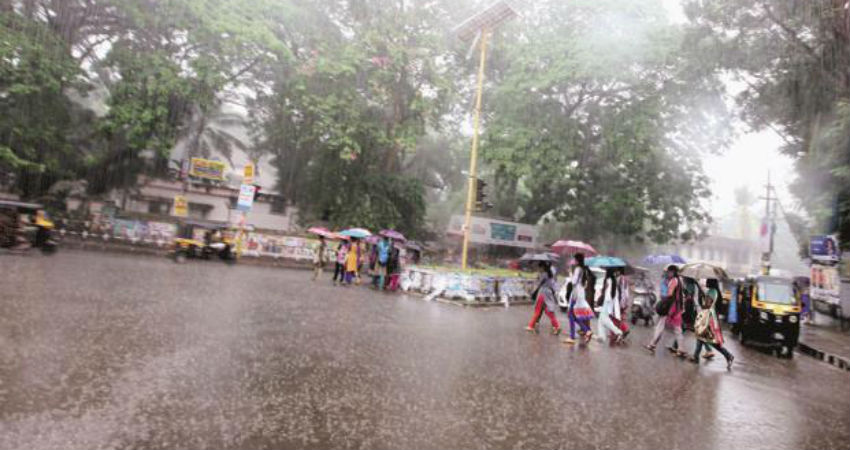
824	248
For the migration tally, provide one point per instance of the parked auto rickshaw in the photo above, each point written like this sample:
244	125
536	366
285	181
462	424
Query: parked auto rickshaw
770	315
206	239
24	226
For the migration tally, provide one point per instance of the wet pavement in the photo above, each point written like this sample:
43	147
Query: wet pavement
114	351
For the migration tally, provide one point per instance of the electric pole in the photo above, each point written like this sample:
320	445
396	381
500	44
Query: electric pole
769	221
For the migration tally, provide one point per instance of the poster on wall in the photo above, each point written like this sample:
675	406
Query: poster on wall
826	284
824	248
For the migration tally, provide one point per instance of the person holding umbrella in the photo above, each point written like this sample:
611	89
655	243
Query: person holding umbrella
670	307
352	261
382	256
545	298
339	268
707	327
579	311
319	258
611	294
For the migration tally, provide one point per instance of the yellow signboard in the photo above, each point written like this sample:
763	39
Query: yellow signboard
205	168
181	206
248	174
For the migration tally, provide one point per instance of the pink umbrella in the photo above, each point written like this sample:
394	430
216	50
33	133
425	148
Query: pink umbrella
573	247
393	234
322	231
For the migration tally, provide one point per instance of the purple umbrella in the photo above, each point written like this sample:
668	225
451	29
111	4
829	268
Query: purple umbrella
393	234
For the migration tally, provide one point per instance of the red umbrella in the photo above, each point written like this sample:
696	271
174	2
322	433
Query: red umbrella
573	247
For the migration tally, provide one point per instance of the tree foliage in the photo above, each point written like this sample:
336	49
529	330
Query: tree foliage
596	116
599	120
793	56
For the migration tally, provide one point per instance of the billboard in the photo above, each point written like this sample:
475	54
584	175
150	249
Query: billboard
826	284
208	169
824	248
496	232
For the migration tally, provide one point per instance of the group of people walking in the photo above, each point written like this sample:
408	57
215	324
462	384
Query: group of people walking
381	260
579	290
612	326
706	326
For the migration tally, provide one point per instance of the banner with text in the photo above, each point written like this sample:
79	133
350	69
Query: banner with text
496	232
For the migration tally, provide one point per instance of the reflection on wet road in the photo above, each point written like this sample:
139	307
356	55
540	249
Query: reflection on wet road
104	351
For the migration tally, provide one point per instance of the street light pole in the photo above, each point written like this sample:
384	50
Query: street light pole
480	24
473	157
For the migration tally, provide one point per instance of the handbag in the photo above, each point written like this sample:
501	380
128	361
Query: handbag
702	326
663	307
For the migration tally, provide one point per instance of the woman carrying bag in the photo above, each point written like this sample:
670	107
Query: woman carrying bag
707	327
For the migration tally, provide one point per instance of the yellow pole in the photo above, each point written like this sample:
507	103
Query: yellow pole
473	158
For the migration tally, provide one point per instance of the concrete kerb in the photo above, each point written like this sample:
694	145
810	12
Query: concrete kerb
826	357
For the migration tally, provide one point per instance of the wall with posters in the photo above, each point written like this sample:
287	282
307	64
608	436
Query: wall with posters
826	284
469	287
497	232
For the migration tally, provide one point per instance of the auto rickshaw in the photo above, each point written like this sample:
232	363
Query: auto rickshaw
206	239
770	315
24	226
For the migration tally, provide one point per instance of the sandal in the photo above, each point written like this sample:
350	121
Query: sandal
569	341
729	362
531	329
556	331
650	348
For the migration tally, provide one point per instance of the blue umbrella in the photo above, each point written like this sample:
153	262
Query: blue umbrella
663	260
605	261
357	233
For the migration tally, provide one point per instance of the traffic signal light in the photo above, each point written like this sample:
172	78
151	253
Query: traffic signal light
480	196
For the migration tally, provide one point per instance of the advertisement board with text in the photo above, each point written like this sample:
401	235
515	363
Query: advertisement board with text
496	232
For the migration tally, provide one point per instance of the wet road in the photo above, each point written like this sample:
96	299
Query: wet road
112	351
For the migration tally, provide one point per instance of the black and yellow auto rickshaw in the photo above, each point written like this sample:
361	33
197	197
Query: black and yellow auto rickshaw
770	315
24	226
205	240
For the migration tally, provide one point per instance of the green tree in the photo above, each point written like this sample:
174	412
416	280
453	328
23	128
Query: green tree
39	126
599	120
793	56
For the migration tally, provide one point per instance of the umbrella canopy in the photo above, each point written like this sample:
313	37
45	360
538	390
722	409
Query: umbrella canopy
573	247
393	234
322	231
358	233
663	260
539	257
413	246
605	262
701	270
373	239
